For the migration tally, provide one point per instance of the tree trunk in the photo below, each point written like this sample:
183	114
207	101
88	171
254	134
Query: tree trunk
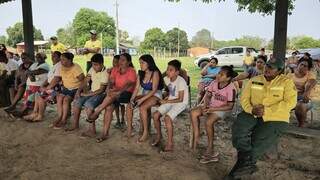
280	29
28	27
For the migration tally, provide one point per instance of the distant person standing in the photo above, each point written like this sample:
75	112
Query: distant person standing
248	60
57	46
263	53
91	47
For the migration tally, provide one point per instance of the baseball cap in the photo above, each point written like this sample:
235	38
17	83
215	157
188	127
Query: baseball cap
93	32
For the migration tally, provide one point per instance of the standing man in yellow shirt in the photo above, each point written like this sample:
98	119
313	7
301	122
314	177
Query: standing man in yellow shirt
91	47
248	60
267	101
57	46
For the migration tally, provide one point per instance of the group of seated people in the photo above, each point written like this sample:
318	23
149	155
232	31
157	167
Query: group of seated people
103	89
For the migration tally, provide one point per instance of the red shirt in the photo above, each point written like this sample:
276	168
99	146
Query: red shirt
120	80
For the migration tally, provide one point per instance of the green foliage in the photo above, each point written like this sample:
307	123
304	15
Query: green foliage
3	39
153	37
15	34
249	41
302	42
88	19
202	39
265	7
66	35
124	37
172	39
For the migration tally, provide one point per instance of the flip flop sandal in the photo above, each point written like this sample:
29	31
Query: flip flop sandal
214	155
101	139
209	160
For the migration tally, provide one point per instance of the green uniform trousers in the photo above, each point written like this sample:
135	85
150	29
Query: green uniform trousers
253	136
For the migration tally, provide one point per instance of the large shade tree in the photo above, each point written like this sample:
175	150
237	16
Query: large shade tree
88	19
15	34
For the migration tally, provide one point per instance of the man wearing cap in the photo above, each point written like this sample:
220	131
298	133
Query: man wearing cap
91	47
267	101
57	46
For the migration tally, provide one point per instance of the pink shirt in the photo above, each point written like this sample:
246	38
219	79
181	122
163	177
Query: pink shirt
220	97
120	80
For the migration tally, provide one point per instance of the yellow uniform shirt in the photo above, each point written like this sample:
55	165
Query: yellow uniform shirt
58	47
98	78
92	44
69	76
278	96
248	60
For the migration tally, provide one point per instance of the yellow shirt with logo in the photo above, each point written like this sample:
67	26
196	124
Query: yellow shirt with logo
278	97
58	47
98	78
92	44
70	76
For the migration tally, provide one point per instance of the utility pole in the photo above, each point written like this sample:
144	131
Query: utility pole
178	40
212	38
117	28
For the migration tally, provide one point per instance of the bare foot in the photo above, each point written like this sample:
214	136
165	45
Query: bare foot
89	134
168	148
72	128
38	118
156	142
30	116
143	138
102	138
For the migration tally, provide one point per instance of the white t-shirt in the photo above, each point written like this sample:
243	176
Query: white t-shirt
41	78
54	72
12	65
174	87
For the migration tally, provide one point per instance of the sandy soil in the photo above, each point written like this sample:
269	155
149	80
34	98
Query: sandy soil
33	151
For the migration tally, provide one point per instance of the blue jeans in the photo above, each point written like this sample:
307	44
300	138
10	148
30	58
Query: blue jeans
90	102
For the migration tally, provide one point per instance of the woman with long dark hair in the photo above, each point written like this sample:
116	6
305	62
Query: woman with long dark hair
151	83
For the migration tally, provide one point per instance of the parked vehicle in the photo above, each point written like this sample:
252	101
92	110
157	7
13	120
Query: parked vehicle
314	52
226	56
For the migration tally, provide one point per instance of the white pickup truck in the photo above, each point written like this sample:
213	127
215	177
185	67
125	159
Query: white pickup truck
232	55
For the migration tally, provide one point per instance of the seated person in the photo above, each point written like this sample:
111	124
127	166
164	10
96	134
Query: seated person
37	74
151	82
218	103
304	80
120	124
208	74
90	100
120	88
175	103
253	71
7	76
47	95
20	81
71	77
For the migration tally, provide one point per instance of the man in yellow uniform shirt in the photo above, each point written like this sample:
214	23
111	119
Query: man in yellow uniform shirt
267	101
91	47
57	46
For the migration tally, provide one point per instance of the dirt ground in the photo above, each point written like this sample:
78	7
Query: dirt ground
33	151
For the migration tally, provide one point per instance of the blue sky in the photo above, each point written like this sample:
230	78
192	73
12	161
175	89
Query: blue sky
136	16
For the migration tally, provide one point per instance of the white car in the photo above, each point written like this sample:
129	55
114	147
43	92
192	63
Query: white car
226	56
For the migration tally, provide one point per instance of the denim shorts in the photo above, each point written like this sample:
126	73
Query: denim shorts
90	102
68	92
